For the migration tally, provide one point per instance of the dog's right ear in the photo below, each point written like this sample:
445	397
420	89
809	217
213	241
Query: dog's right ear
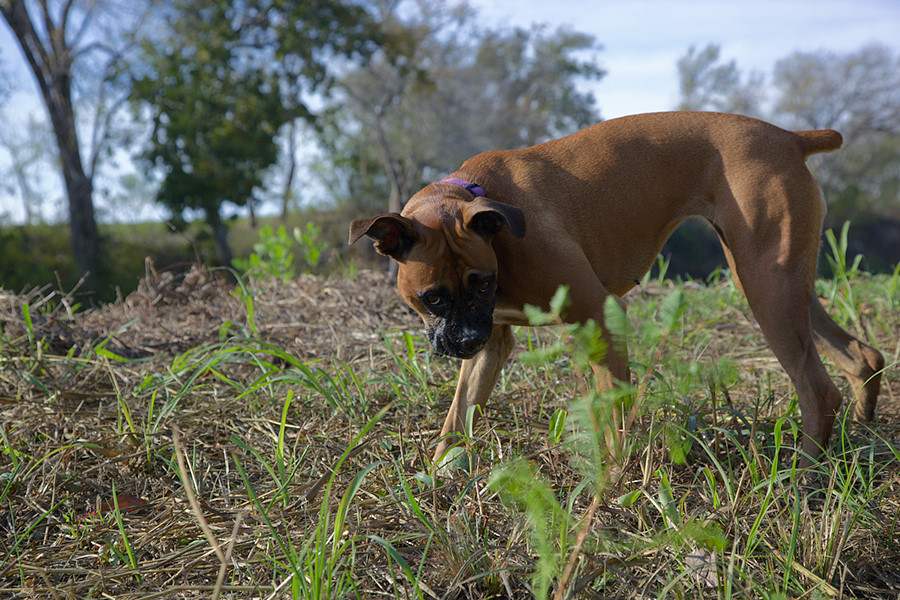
394	234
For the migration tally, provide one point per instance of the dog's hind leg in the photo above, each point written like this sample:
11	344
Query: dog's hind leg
772	244
780	302
861	363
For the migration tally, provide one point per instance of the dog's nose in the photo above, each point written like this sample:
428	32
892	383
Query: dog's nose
470	342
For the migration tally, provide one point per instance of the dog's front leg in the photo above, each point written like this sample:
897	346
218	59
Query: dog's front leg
477	378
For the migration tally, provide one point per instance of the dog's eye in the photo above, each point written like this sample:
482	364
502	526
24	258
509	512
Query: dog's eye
481	284
432	299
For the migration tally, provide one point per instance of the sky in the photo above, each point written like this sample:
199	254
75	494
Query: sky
643	39
639	43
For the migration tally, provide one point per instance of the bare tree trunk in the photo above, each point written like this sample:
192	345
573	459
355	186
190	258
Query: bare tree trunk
220	238
83	224
288	194
29	204
79	188
51	64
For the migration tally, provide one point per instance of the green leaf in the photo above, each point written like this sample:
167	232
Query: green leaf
341	515
626	500
29	326
538	317
395	556
557	425
615	319
672	307
560	300
667	501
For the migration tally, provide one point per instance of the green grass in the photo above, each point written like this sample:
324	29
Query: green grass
300	467
41	255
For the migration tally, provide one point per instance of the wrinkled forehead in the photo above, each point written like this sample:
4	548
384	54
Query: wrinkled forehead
446	253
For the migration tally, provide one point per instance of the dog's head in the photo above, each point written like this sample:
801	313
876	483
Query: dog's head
447	268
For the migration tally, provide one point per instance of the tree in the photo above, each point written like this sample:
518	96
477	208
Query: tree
434	94
857	93
29	159
707	84
67	43
6	83
223	83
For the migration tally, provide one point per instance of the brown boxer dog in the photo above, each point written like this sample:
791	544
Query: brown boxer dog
599	204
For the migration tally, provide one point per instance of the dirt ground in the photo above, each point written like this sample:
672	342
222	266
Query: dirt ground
67	438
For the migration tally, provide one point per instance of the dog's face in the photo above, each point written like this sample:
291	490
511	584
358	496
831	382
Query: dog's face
456	301
447	267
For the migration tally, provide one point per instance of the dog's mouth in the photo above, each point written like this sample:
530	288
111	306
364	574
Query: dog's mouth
455	351
459	327
450	338
465	347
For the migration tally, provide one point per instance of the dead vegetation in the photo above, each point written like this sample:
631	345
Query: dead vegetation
261	394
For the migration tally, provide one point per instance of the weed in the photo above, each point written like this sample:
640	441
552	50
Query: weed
841	294
131	560
599	434
311	243
271	256
413	374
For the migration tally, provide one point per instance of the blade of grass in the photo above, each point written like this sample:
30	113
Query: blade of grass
198	513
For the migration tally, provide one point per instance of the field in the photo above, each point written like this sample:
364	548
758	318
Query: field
272	440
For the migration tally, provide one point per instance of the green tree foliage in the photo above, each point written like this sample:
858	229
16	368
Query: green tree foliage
443	87
220	85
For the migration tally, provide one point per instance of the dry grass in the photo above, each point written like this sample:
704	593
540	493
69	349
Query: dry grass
262	398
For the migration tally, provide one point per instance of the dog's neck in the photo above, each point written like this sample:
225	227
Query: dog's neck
476	189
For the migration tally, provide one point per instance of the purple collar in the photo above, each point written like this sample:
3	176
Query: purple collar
476	189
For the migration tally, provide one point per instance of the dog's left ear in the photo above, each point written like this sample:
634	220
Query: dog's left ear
487	217
394	234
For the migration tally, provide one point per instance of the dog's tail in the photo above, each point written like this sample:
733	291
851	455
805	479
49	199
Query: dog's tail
819	140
